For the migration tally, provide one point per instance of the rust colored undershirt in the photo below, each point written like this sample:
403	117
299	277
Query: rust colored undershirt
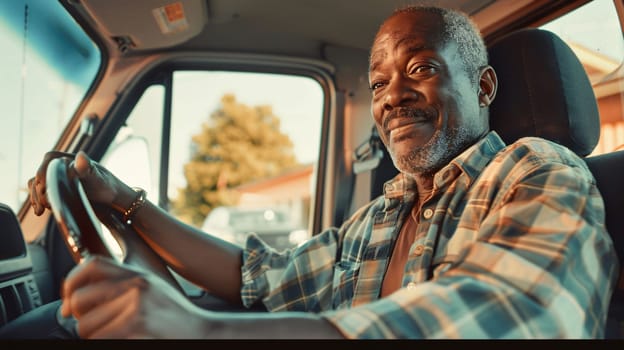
394	273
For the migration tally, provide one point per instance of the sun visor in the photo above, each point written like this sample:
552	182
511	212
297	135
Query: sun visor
151	24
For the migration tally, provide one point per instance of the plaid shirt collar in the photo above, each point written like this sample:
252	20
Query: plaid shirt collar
471	162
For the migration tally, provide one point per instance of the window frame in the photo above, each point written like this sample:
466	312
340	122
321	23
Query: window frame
160	72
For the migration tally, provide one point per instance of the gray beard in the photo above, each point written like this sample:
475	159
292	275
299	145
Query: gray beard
435	154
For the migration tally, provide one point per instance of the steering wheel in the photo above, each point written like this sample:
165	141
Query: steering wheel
81	226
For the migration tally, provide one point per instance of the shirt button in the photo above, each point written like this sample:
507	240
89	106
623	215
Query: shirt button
419	250
411	285
428	213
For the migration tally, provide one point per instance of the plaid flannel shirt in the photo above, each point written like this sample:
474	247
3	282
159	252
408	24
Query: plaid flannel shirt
511	244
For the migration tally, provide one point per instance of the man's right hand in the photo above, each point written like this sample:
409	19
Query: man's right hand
100	185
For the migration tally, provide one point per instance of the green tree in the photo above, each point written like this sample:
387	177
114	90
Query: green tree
238	144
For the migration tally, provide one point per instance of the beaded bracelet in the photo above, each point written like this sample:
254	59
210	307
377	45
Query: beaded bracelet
138	202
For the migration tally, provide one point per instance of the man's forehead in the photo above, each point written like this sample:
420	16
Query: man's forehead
398	40
383	43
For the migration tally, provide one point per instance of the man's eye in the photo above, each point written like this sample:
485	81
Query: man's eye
423	69
376	85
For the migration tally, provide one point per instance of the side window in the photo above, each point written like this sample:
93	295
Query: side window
594	33
242	153
244	148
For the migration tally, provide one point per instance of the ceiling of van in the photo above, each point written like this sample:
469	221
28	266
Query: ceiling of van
277	26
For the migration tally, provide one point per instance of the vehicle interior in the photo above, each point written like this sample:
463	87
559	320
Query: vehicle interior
142	77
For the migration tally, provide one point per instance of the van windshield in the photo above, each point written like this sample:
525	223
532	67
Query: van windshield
47	66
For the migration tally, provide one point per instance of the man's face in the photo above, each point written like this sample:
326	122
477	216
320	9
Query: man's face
425	106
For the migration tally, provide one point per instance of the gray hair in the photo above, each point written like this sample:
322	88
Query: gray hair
458	28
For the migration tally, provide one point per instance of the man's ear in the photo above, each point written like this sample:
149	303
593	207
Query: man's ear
488	83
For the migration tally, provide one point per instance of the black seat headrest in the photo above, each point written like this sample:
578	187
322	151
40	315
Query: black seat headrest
543	91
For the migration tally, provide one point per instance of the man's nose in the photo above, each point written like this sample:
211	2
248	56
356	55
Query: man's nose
398	93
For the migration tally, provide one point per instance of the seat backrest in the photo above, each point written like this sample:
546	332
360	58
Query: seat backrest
544	91
608	169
